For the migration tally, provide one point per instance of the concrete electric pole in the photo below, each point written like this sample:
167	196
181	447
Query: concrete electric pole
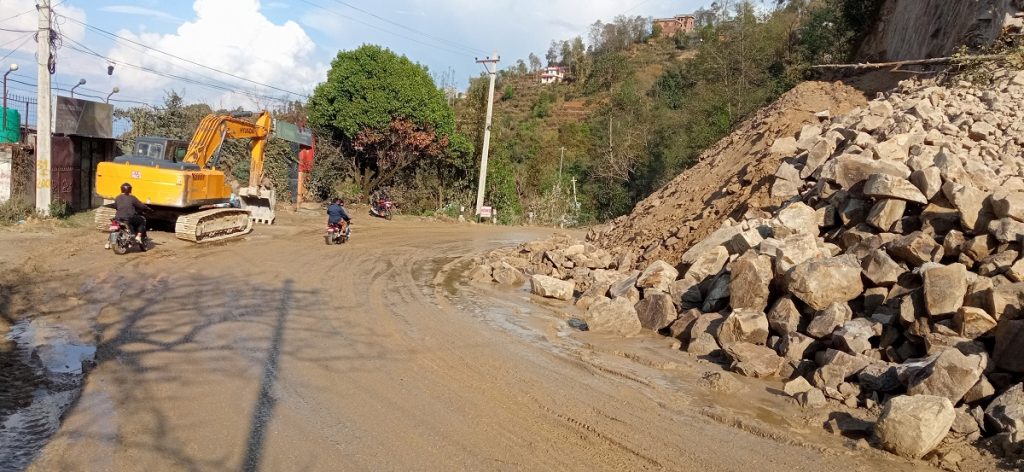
44	129
561	157
492	70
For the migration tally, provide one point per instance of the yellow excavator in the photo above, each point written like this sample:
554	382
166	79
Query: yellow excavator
184	186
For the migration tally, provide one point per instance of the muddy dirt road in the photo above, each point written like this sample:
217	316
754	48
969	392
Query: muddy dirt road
280	353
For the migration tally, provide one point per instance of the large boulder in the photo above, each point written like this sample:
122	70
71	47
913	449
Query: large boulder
656	311
879	377
970	202
880	269
826	321
972	322
682	326
744	325
550	287
702	335
950	375
887	186
614	317
794	250
1005	301
708	263
749	281
911	426
505	274
820	283
784	317
752	360
1009	350
851	169
886	213
928	181
916	248
1008	204
799	218
1006	413
796	347
743	242
1006	230
658	276
717	297
855	335
944	289
625	288
686	294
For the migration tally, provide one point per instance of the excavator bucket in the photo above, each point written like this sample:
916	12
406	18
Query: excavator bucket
260	202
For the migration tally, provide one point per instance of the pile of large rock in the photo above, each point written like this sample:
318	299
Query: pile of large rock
892	278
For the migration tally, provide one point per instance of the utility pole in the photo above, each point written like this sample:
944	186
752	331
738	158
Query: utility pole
575	202
44	129
561	157
492	70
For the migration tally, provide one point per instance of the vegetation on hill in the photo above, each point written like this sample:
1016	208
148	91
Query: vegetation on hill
637	108
634	110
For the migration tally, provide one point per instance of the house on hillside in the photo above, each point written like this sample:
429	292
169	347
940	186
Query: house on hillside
552	75
671	26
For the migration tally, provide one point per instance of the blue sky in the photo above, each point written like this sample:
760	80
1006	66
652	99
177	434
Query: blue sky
288	43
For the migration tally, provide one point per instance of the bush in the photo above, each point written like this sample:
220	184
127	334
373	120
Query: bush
15	210
60	209
508	94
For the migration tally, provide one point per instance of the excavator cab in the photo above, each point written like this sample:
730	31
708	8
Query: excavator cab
159	152
156	147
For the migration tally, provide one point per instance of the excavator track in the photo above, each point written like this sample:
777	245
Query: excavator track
213	225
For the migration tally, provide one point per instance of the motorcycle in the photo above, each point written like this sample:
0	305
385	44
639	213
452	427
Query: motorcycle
382	208
337	235
121	238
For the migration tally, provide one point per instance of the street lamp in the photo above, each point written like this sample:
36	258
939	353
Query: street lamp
111	93
81	82
13	68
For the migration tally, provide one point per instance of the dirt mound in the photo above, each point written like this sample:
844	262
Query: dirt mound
732	178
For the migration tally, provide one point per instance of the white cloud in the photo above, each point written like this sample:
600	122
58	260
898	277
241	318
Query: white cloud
140	11
228	35
27	19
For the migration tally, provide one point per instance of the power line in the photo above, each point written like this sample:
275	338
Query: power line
435	38
223	88
113	35
19	14
634	7
435	46
4	45
15	49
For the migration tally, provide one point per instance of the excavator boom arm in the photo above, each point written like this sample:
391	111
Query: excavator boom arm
214	129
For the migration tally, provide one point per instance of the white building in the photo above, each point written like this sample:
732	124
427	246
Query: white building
552	75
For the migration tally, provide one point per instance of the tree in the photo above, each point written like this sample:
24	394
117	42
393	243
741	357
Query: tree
381	107
174	120
393	149
552	55
535	64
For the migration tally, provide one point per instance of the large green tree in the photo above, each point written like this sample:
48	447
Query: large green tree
385	110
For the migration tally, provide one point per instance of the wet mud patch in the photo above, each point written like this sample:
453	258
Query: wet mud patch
42	369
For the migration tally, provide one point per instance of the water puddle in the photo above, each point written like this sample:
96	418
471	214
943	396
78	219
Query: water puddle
42	368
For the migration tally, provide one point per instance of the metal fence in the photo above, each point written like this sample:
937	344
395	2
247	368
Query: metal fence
25	105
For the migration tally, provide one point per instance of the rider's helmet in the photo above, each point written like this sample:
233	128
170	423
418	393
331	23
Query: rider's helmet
126	188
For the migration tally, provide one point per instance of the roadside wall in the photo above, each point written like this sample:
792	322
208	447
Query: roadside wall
918	29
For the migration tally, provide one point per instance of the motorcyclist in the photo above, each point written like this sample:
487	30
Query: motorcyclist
336	214
128	207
